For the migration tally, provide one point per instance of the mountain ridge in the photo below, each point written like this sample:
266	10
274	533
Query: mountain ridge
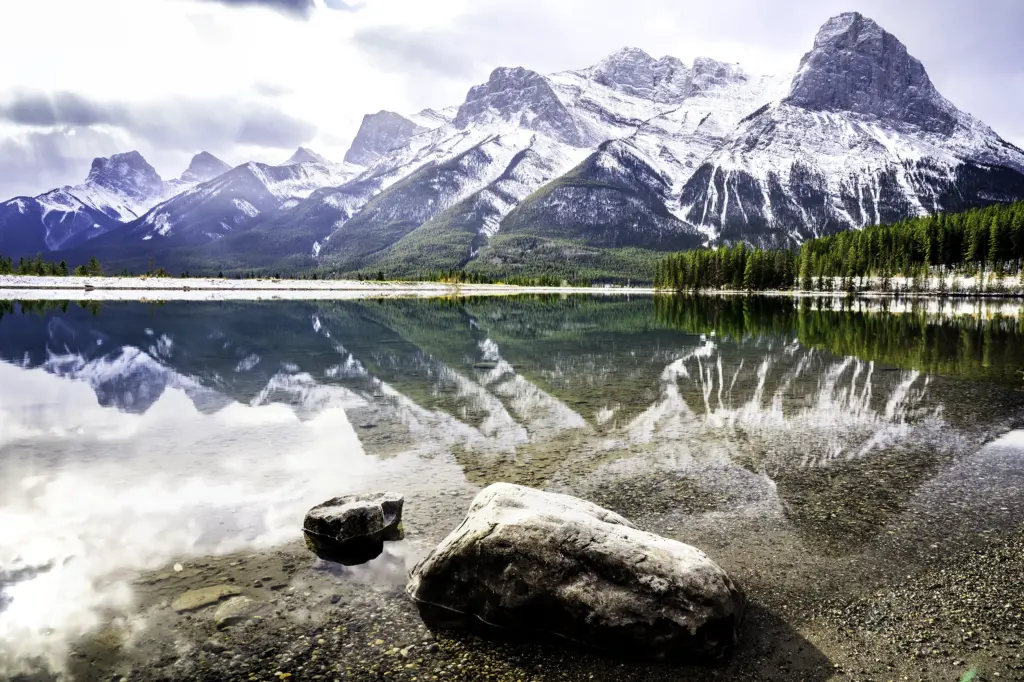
634	152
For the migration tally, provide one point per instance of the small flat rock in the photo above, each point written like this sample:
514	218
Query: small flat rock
486	364
193	600
234	611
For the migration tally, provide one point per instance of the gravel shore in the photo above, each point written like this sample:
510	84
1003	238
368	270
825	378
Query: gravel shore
961	618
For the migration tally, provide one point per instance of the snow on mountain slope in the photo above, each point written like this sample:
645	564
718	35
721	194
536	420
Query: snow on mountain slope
672	137
306	155
862	137
233	200
432	118
571	113
524	98
455	235
117	190
407	204
613	199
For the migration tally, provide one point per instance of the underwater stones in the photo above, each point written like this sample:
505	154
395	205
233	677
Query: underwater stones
193	600
556	567
235	611
352	529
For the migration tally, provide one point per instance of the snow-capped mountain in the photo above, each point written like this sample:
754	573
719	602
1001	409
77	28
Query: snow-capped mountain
550	173
212	209
306	155
861	137
204	166
590	162
117	190
379	134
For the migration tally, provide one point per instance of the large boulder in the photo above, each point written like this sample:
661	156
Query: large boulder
546	565
352	529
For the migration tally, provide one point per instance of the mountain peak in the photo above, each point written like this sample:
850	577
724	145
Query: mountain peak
843	24
632	71
628	54
857	66
306	155
379	134
708	72
128	173
525	98
204	166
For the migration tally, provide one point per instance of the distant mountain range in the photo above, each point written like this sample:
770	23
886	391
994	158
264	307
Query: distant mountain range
594	172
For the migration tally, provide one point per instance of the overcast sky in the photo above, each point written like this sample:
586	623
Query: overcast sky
253	79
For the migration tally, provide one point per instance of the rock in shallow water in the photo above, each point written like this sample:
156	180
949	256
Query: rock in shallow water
554	566
235	611
352	529
193	600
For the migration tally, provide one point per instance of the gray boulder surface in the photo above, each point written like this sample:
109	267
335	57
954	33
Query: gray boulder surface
352	529
552	566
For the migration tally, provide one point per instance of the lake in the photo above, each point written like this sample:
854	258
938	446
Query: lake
855	465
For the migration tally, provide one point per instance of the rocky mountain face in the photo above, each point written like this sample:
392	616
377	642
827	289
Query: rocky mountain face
128	175
857	67
204	166
379	134
532	173
861	137
116	189
523	98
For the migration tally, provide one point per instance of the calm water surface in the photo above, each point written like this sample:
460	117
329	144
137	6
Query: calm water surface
810	446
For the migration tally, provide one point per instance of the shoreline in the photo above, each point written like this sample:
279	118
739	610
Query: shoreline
13	286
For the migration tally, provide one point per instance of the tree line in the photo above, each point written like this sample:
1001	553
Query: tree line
982	240
37	267
470	277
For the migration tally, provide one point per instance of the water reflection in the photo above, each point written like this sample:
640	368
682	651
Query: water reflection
132	434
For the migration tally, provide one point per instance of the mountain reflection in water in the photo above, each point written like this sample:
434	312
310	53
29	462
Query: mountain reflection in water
132	434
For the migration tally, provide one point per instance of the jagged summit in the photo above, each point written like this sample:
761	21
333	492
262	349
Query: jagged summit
862	137
306	155
634	72
128	173
845	23
523	97
204	166
709	73
379	134
857	66
667	80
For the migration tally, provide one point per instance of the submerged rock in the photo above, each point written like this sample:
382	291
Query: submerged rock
352	529
193	600
554	566
234	611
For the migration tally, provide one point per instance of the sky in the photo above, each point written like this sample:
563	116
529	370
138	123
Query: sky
254	79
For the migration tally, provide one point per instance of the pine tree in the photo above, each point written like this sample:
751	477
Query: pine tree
93	268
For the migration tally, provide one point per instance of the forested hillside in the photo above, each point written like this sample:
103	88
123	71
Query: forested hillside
987	240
